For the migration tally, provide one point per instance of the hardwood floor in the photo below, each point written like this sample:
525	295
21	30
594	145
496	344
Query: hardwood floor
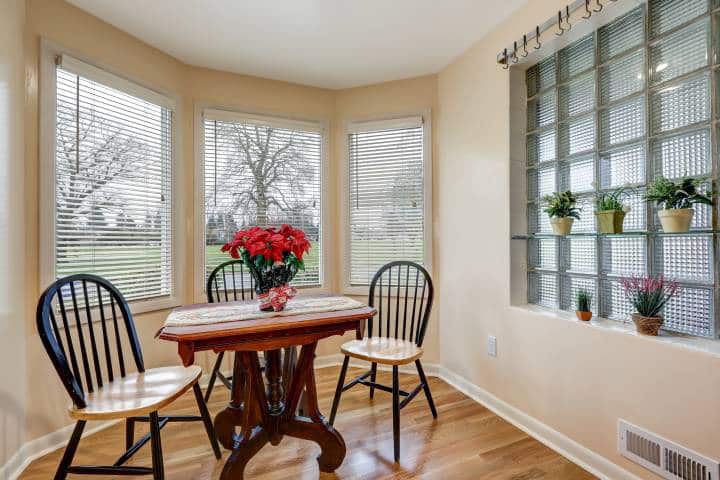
467	441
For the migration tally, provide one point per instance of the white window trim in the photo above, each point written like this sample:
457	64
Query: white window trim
268	118
392	121
46	244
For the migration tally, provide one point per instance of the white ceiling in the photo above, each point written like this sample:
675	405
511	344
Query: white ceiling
325	43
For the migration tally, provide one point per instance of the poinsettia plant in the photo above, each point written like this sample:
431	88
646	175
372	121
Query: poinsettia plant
273	256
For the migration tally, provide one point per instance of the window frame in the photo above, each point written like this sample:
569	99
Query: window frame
270	118
46	207
426	115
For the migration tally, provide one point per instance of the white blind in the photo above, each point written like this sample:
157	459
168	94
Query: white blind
262	172
112	185
386	196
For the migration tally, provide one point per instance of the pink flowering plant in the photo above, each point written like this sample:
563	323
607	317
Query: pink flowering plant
649	294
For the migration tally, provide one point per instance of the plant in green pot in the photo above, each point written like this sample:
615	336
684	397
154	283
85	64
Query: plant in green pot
560	207
675	200
610	211
582	303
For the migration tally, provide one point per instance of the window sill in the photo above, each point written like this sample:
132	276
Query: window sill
708	346
154	305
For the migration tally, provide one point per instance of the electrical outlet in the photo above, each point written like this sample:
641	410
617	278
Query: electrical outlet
492	346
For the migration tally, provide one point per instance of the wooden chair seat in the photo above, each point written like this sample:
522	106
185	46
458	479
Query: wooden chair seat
137	393
383	350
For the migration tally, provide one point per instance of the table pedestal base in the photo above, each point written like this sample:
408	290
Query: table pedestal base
266	416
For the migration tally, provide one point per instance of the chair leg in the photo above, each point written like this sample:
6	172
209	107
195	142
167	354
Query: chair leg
213	376
339	389
396	412
426	387
157	456
70	450
207	420
373	369
129	433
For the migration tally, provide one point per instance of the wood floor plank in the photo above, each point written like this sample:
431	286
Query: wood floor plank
467	441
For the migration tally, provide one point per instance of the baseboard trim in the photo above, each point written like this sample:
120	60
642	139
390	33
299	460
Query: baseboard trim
592	462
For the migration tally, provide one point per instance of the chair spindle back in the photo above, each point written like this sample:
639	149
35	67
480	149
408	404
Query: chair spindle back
239	286
402	292
80	319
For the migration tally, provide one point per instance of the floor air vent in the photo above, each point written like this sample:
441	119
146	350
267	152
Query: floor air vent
667	459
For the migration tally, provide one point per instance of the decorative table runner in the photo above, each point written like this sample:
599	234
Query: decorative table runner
235	311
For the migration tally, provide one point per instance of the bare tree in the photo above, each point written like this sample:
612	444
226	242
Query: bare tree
267	174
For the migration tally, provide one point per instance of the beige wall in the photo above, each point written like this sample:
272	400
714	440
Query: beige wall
575	378
87	36
13	377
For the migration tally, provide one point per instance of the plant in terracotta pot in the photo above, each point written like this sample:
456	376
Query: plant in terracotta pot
274	257
648	295
610	211
582	303
560	207
675	200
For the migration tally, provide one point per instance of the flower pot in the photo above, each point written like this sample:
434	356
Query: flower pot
647	325
610	221
582	315
676	220
561	226
275	299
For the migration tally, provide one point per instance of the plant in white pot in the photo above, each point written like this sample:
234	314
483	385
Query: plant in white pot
560	207
675	200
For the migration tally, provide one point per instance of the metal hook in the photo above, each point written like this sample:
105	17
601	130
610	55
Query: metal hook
562	30
537	38
525	51
506	62
600	6
588	12
567	16
515	58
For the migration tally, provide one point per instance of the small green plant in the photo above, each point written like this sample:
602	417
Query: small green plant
583	300
683	194
612	200
561	205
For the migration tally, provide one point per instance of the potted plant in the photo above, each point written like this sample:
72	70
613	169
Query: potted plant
560	207
582	303
648	295
610	211
676	200
274	257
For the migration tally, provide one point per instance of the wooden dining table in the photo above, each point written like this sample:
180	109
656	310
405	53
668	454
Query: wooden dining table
267	409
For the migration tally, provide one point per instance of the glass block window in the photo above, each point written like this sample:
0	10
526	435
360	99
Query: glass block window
633	101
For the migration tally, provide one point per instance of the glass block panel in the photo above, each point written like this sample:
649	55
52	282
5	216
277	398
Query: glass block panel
680	53
541	147
622	34
545	181
615	305
687	154
636	218
541	110
668	14
543	289
543	253
587	217
577	96
686	258
623	123
622	77
576	58
537	219
623	255
570	287
691	311
540	76
578	176
681	105
578	254
702	219
532	184
577	136
624	166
